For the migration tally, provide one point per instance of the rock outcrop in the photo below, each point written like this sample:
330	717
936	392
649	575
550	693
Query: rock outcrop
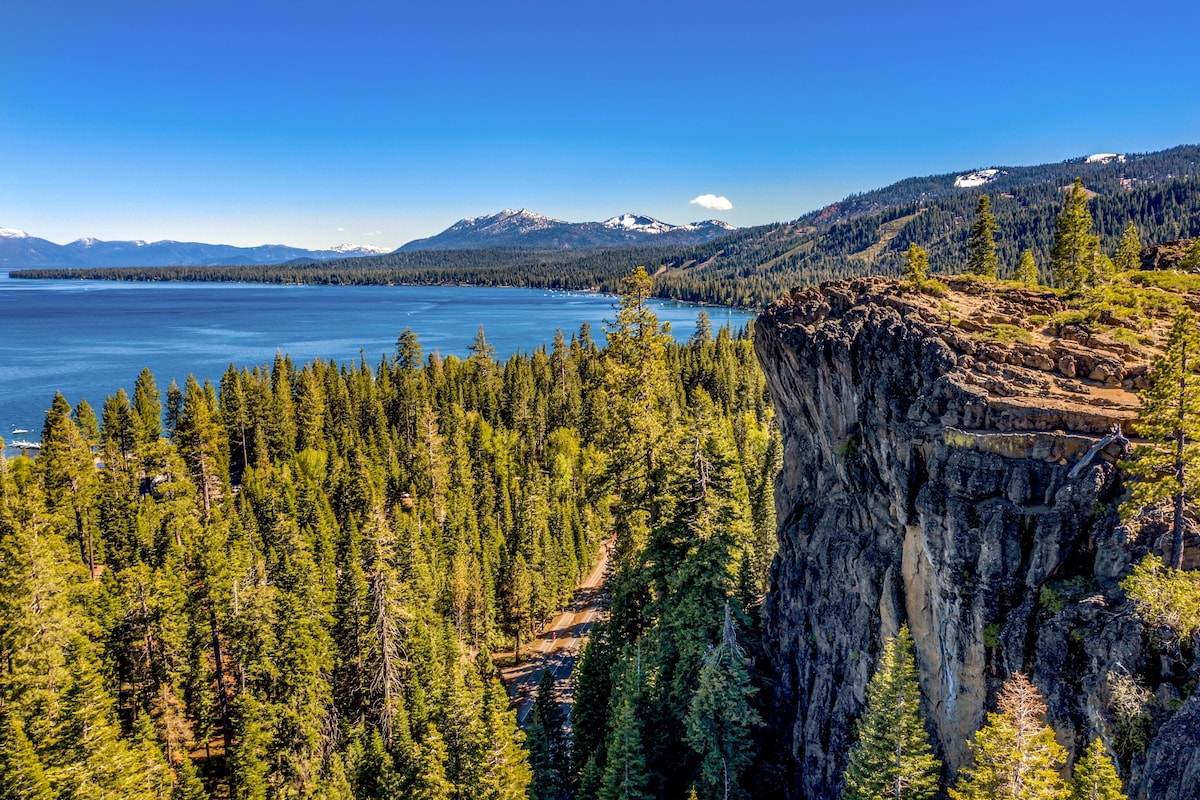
944	466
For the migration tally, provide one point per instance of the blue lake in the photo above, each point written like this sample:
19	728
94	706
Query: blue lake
86	339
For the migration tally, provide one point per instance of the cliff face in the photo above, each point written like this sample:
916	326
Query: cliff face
937	472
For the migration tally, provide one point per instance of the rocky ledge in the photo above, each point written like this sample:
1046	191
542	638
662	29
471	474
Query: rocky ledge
946	465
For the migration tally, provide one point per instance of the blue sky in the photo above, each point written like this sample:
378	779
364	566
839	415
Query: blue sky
375	123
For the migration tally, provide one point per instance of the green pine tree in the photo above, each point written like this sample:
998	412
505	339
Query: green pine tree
546	741
1129	251
1015	754
430	775
248	763
91	759
720	720
590	709
892	757
1170	419
1027	271
1074	243
1165	598
636	381
24	776
625	774
981	245
916	265
1191	257
147	410
1095	777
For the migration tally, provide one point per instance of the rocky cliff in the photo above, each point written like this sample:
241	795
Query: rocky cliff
944	466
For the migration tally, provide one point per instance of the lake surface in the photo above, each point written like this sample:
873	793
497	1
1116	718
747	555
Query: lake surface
86	339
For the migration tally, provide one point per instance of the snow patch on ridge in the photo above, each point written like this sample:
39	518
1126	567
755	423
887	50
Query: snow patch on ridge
978	178
13	233
1104	158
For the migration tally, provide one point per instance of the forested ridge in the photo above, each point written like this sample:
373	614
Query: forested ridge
864	234
291	584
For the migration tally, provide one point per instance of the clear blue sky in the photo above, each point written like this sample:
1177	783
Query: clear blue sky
378	122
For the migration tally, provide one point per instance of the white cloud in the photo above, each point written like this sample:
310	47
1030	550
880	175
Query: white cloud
341	230
712	201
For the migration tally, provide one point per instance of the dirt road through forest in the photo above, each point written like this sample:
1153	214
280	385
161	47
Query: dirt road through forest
558	646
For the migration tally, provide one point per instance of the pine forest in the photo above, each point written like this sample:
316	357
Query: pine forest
298	583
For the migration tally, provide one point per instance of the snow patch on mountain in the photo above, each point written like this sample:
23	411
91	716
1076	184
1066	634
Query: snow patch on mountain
636	222
13	233
978	178
1104	158
362	249
708	223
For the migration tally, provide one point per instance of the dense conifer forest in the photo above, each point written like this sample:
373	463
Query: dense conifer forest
292	584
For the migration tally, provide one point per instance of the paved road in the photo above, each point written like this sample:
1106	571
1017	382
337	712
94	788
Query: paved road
558	646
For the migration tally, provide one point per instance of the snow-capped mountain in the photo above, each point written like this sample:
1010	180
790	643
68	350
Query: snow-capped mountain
524	228
636	222
18	249
359	250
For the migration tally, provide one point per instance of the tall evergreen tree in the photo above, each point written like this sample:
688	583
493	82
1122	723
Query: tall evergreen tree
625	774
635	380
147	410
69	479
198	435
720	721
590	710
22	771
1095	777
174	407
1015	754
408	350
1074	244
89	426
116	421
1170	419
547	745
92	760
892	757
981	245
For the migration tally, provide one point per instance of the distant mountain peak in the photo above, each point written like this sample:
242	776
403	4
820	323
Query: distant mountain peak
525	228
637	222
18	249
360	249
712	223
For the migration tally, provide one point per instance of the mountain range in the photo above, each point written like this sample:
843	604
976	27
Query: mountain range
19	250
508	228
524	228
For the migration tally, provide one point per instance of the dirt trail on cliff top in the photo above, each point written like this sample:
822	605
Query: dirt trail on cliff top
558	646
